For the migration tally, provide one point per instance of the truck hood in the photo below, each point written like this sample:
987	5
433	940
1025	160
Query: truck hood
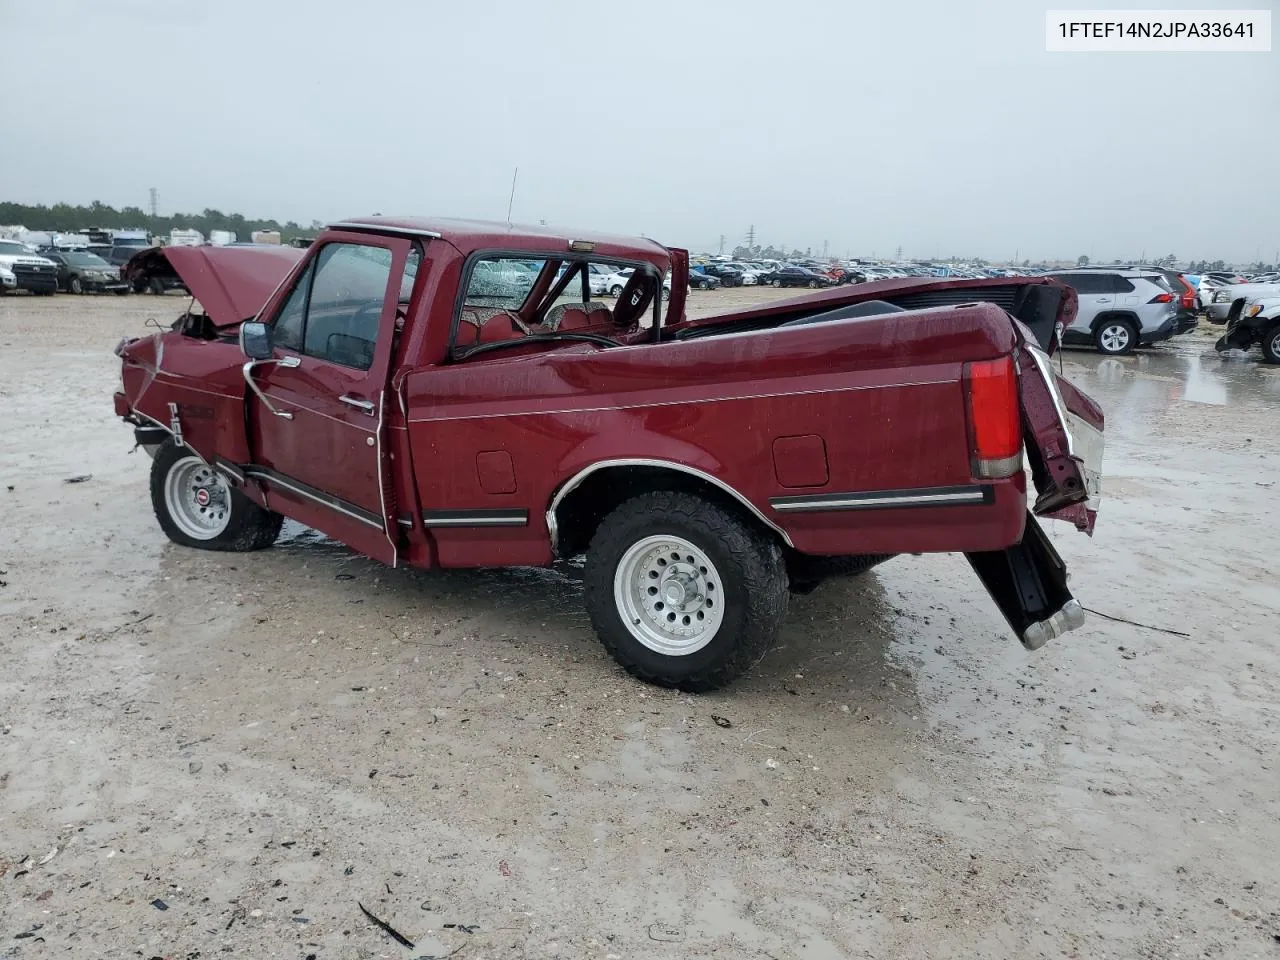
9	259
231	283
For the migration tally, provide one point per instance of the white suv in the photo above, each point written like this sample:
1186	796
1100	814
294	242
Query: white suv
1119	309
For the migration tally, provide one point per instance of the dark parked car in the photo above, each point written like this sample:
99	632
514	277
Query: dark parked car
80	272
796	277
727	276
157	283
702	281
118	254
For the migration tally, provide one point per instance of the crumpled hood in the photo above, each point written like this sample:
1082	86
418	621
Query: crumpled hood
231	283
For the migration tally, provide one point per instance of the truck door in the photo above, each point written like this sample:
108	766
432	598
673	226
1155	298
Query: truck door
316	413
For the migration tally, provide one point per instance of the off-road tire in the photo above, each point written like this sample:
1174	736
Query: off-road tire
806	571
249	527
1271	345
754	588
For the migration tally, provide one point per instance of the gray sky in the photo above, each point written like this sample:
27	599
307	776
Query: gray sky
940	126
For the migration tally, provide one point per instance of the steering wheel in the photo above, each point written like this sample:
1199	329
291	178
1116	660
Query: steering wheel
636	296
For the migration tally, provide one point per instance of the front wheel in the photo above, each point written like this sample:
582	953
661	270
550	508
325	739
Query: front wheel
1271	345
776	283
682	592
196	506
75	286
615	291
1116	337
157	286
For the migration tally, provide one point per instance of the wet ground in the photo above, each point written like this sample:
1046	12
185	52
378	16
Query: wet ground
208	755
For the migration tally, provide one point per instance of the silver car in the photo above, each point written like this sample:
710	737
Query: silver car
1120	309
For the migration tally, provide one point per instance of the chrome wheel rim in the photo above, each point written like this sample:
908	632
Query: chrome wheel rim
669	595
198	499
1115	338
1275	344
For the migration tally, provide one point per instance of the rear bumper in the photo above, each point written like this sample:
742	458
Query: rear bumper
1162	332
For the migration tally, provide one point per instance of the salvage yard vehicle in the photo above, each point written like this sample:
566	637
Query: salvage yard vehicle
788	276
22	270
1257	321
1120	309
80	272
377	388
1229	300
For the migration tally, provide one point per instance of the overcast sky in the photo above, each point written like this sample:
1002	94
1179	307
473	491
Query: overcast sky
940	126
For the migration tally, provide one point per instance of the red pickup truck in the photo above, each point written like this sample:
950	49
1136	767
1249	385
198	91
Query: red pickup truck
449	394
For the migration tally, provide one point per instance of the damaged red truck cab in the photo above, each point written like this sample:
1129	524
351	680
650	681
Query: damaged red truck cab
450	394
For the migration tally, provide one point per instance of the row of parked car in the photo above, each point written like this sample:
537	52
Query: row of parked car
51	270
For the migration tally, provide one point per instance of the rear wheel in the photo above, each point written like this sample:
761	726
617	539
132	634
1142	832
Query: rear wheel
1271	345
682	592
812	284
615	291
1116	337
196	507
157	286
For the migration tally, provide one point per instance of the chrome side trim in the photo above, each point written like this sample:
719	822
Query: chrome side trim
477	518
1041	360
576	480
382	494
165	428
247	371
884	499
270	476
383	228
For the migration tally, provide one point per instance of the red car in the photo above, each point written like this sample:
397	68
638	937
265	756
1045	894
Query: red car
447	394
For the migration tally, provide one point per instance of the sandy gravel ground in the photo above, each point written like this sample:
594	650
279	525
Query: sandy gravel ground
222	755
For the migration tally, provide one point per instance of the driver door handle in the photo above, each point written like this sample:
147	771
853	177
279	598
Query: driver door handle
365	405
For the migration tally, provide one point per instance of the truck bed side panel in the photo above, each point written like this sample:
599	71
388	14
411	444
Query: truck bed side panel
883	396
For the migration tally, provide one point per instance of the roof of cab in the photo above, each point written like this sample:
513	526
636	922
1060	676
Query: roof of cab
471	235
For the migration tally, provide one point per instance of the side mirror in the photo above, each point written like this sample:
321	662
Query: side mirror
255	340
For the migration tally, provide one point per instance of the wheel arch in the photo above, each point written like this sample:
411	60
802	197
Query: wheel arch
582	501
1106	315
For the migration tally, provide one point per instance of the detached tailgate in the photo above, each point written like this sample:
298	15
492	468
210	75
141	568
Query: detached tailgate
1062	432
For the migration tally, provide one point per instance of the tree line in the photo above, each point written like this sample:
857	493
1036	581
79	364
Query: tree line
68	218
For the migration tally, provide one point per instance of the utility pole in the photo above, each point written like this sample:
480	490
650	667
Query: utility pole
154	206
824	249
899	255
722	244
751	236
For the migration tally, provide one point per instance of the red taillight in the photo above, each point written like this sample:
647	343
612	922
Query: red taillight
1162	298
995	422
